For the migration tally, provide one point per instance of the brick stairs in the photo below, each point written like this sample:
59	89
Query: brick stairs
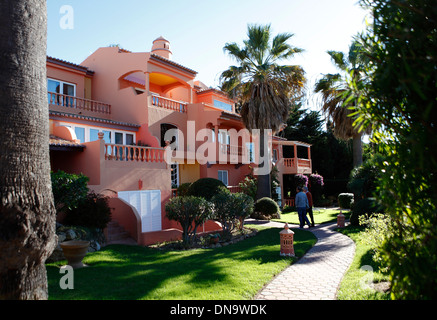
115	234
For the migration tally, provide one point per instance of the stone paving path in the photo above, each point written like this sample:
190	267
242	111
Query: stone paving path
317	275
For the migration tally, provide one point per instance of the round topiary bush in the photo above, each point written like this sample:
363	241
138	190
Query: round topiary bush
362	207
183	189
205	188
266	208
345	200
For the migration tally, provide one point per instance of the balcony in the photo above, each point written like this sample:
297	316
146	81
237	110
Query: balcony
295	166
118	152
62	102
231	150
169	104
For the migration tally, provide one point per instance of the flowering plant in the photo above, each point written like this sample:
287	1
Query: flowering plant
316	179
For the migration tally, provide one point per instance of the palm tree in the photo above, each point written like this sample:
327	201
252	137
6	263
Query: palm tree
263	88
27	212
337	105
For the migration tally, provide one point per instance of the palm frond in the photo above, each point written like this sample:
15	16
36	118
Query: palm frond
263	87
235	52
338	58
281	50
258	41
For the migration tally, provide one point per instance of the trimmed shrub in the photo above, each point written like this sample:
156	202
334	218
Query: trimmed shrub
363	207
92	212
205	188
243	205
363	179
229	208
266	208
183	189
345	200
190	212
68	190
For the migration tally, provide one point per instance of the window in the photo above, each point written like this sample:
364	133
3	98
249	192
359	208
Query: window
250	151
80	134
118	138
223	176
175	175
107	136
94	134
130	139
53	86
88	134
56	87
61	87
224	136
222	105
68	89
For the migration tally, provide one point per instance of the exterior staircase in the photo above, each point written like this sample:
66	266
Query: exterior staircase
115	234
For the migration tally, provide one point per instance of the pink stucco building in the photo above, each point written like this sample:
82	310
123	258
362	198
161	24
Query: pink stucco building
108	120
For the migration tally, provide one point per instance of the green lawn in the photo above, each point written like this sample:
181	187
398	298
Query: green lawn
360	280
320	216
236	271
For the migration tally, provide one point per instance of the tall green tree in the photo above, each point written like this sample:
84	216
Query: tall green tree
263	88
306	128
331	157
336	104
398	96
27	212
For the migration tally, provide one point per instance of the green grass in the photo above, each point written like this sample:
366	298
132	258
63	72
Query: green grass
357	282
320	216
236	271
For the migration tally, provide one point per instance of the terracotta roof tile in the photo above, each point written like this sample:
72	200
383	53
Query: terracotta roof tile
59	142
173	63
69	64
93	119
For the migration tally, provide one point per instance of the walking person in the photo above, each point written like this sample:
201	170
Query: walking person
310	204
301	203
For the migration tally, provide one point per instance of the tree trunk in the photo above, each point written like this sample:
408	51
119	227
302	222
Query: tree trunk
357	149
263	181
27	213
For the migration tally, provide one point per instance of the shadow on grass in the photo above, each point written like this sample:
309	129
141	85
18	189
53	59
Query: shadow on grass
236	271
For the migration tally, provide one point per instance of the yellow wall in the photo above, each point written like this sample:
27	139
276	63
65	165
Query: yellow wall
189	173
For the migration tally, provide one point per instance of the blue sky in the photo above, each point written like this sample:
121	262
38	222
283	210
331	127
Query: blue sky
198	29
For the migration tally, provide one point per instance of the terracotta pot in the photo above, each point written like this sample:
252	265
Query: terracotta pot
75	251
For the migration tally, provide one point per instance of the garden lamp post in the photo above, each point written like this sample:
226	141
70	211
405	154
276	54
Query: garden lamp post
286	239
340	220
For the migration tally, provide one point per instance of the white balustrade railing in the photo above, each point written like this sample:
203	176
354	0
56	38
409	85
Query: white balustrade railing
120	152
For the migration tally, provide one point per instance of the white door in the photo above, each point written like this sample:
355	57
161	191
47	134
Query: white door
148	205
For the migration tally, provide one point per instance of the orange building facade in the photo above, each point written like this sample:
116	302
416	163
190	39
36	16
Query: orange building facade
112	116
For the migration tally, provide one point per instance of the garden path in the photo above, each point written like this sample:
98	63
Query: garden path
316	275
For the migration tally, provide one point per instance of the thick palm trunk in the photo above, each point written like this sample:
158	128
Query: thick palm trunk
263	180
357	150
27	214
